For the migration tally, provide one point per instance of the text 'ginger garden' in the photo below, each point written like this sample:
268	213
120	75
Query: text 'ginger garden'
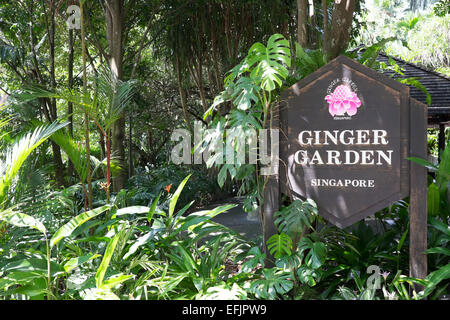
309	156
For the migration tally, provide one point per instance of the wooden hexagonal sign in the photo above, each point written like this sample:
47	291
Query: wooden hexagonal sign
345	139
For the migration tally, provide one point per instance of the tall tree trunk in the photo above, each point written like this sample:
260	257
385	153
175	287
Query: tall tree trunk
59	166
302	22
86	118
212	87
183	95
130	148
313	21
70	104
219	84
101	141
326	31
341	25
114	13
197	74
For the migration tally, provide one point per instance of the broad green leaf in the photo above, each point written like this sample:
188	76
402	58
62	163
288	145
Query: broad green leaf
424	163
440	226
67	229
183	210
93	239
184	258
169	283
307	275
106	259
201	216
176	195
78	261
269	62
294	218
415	82
36	287
347	294
33	265
222	175
439	250
141	241
318	254
258	258
301	54
153	208
21	220
358	280
115	280
217	100
435	277
19	277
433	199
279	245
367	294
273	284
443	173
244	93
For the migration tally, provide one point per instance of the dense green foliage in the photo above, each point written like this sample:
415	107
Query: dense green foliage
91	206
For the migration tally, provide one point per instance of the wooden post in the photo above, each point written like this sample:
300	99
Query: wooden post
271	196
270	206
418	193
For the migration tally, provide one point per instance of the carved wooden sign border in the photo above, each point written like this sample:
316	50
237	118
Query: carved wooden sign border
346	132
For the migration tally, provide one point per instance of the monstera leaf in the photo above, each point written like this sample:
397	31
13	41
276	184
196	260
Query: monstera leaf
296	217
257	257
264	68
270	62
279	245
316	252
245	93
272	284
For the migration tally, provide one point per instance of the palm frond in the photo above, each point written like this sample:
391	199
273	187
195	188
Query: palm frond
32	92
101	164
75	151
113	96
3	121
104	106
10	54
18	153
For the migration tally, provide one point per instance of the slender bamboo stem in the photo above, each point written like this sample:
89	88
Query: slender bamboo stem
86	116
108	167
49	273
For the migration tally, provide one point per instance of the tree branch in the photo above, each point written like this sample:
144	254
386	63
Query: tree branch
142	42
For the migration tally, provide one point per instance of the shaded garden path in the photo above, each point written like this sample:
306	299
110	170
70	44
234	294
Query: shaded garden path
237	219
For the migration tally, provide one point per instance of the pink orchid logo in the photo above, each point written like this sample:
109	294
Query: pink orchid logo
343	100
